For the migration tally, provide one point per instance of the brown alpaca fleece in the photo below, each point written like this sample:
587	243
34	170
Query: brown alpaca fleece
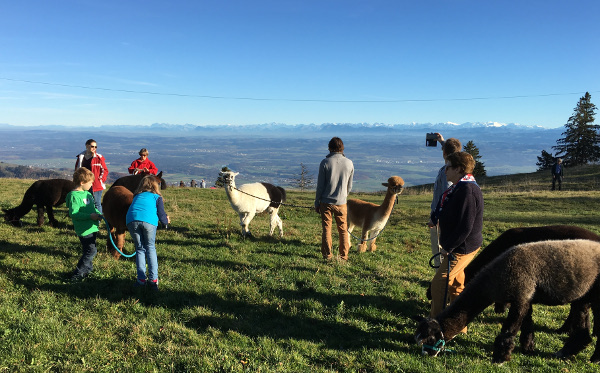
546	272
372	218
520	235
45	194
131	182
115	204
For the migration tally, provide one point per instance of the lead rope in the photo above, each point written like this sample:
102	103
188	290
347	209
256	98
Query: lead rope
113	242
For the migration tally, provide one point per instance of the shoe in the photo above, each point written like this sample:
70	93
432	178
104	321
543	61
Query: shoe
153	285
77	277
139	284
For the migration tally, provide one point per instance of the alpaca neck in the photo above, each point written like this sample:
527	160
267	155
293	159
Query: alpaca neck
470	303
388	203
232	193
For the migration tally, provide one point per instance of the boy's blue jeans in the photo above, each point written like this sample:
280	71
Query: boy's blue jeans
144	235
88	244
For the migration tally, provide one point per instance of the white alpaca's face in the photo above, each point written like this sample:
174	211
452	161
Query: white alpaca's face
229	177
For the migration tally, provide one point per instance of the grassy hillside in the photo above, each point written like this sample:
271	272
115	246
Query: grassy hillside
269	304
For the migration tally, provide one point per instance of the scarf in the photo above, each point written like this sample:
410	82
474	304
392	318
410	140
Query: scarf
468	178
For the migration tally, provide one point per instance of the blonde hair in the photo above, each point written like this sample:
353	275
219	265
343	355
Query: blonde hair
148	184
82	175
143	151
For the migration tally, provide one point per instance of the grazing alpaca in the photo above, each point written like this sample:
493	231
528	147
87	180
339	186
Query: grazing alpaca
131	182
371	217
45	194
115	204
250	199
516	236
545	272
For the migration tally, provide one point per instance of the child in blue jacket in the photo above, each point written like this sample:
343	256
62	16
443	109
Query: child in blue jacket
142	219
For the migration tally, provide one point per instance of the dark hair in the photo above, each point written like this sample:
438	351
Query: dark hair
90	141
336	145
452	145
463	161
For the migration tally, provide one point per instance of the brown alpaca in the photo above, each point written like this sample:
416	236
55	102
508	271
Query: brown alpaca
370	217
131	182
517	236
546	272
115	204
44	194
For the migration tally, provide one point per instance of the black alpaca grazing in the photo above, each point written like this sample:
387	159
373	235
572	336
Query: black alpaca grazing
132	181
44	194
547	272
516	236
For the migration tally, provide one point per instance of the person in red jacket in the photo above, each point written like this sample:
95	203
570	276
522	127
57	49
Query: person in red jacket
143	164
94	162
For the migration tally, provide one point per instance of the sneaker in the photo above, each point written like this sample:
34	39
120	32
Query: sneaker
153	285
76	277
139	283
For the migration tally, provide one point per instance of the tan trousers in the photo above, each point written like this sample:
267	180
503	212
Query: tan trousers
340	213
456	281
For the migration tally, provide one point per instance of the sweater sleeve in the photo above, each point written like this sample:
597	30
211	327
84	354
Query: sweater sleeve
160	211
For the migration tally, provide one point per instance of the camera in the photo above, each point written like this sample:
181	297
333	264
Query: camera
431	139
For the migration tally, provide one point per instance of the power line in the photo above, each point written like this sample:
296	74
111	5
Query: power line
290	99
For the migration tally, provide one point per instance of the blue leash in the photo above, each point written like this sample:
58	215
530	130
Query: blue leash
113	242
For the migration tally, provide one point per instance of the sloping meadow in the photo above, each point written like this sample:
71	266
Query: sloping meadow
266	304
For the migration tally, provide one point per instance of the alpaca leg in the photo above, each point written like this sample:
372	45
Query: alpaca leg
51	219
527	337
279	225
40	215
373	246
504	343
362	245
596	355
273	222
579	337
246	218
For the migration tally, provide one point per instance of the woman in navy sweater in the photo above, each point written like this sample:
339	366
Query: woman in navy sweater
142	219
460	215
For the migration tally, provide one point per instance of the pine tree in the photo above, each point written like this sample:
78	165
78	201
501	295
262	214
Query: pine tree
474	151
305	180
220	183
545	161
580	144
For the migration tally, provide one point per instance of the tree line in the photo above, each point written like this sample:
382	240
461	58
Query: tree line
580	144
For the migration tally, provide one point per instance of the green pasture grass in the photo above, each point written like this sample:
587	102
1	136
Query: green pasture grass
269	304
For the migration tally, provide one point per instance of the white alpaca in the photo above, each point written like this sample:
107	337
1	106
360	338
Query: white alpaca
370	217
249	199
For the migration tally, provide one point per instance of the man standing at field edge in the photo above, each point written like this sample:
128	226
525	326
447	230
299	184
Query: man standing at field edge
334	183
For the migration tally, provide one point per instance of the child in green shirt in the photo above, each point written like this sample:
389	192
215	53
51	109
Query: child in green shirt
86	217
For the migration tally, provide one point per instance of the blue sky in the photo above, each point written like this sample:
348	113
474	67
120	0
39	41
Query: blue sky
89	63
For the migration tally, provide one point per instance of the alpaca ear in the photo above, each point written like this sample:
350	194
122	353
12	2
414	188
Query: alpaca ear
236	173
159	174
385	184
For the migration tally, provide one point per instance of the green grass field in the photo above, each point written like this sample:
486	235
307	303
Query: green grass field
268	304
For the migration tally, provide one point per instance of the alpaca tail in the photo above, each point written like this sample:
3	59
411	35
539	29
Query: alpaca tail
16	213
283	195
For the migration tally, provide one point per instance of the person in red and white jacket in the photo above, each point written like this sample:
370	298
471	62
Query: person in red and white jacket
143	164
94	162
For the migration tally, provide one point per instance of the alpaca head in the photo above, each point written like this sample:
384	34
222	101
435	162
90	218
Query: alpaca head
229	177
429	336
394	184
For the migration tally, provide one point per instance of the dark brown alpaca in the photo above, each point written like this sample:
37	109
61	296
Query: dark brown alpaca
115	204
44	194
516	236
546	272
132	181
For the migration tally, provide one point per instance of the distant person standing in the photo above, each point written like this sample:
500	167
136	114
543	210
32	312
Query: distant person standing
334	183
143	164
557	174
440	185
94	162
193	183
202	184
